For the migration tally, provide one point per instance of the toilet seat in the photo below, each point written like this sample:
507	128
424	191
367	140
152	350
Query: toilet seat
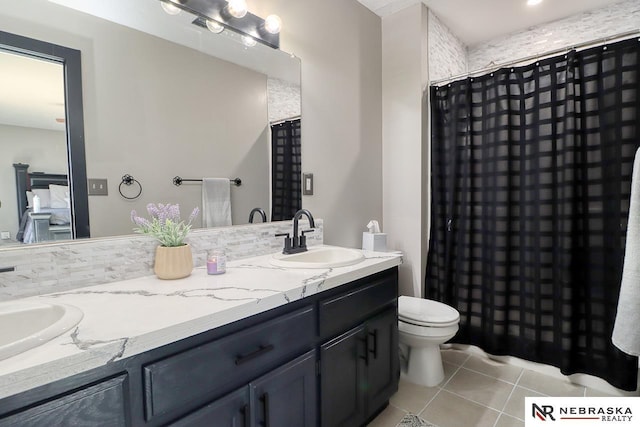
427	313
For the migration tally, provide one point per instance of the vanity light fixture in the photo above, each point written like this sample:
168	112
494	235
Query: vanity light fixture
214	27
169	7
272	24
237	8
220	15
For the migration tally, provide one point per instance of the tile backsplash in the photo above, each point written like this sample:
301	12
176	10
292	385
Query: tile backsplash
57	267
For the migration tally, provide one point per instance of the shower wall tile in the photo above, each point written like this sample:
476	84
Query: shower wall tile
447	54
63	266
584	27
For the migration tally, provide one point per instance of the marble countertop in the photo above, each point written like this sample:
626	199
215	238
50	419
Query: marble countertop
125	318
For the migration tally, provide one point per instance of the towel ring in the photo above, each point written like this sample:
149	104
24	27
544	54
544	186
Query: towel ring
129	180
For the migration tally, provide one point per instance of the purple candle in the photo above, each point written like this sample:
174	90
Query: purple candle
216	262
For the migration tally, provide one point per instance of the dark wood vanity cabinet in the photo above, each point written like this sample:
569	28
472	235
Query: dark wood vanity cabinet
285	397
336	351
360	367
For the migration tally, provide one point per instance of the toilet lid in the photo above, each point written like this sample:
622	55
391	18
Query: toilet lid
426	312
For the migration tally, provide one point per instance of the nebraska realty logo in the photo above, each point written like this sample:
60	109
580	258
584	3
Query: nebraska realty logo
582	411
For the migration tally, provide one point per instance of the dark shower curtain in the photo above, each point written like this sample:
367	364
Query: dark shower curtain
531	180
286	165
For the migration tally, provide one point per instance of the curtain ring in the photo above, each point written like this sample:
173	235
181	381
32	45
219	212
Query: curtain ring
129	180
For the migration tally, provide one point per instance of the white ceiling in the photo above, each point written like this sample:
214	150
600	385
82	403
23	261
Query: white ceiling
476	21
32	92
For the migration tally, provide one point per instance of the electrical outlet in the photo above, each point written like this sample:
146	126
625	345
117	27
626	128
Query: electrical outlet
98	187
5	235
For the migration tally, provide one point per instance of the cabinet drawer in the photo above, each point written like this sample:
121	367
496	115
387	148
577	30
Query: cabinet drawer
197	375
343	311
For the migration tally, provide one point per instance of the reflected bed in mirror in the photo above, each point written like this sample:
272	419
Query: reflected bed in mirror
155	108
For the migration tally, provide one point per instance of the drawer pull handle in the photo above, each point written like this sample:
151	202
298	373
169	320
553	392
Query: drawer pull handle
265	400
374	335
259	352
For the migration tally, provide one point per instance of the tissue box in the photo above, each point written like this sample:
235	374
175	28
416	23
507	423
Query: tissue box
374	241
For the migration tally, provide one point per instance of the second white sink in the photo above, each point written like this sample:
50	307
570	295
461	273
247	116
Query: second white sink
319	257
25	325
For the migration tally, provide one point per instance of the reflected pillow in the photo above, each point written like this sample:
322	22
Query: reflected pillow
45	198
29	199
59	196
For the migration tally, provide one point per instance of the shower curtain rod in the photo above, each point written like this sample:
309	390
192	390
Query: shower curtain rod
494	67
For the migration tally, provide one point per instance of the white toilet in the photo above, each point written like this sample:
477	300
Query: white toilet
423	325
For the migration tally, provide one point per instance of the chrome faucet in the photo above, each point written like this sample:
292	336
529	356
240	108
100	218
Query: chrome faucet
262	213
295	244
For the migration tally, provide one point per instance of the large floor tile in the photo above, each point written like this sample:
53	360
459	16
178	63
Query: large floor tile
549	385
449	410
515	404
455	357
483	389
449	370
390	417
412	397
507	421
493	368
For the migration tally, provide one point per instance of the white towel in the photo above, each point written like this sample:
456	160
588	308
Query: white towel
216	202
626	333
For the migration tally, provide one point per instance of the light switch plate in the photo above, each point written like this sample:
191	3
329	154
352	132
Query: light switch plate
307	184
97	187
5	235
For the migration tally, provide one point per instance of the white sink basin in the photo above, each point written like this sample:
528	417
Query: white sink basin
25	325
319	257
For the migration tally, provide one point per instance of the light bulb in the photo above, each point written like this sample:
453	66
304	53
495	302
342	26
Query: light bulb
214	27
533	2
237	8
248	41
273	24
169	8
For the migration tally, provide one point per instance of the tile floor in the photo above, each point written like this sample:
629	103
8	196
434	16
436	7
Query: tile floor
476	392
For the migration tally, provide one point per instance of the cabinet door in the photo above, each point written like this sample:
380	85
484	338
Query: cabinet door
287	397
102	404
229	411
342	379
383	368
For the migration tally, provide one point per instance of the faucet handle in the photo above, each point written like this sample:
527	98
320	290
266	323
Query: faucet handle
287	242
303	238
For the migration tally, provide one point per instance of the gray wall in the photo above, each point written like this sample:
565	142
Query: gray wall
339	44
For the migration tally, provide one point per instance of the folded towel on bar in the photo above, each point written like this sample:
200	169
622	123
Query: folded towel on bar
626	333
216	202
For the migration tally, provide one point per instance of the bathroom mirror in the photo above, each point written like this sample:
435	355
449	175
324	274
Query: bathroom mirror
164	98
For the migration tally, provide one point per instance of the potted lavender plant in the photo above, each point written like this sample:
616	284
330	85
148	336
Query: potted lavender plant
173	256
